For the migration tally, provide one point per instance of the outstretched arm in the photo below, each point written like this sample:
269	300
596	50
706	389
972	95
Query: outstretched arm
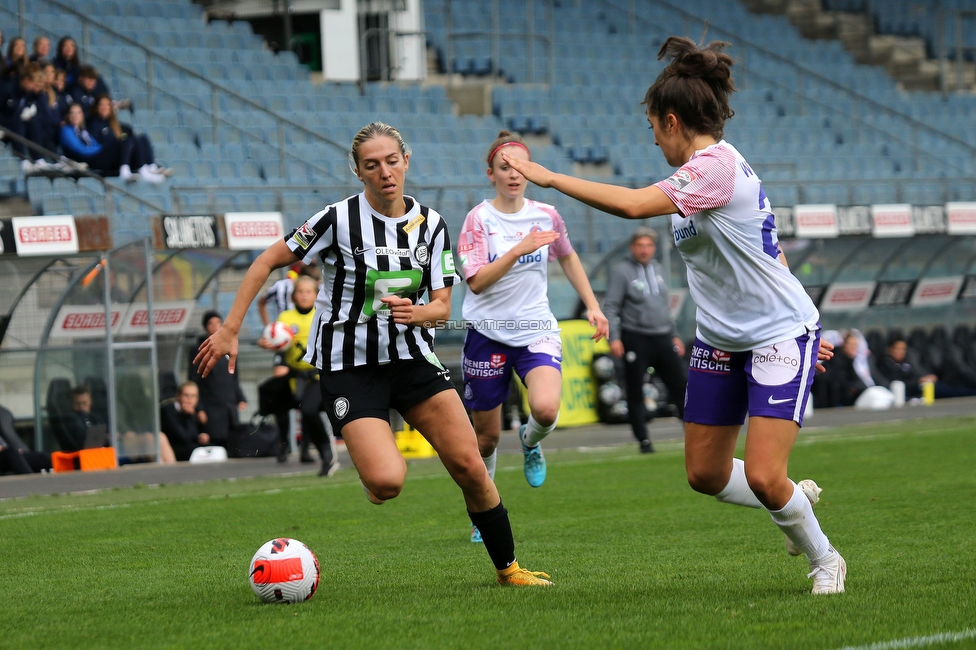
224	341
621	201
576	275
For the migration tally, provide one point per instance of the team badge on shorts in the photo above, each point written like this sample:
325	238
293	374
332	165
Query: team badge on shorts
498	360
341	406
422	253
468	391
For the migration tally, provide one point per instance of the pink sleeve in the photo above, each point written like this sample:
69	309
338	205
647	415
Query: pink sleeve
703	183
472	245
562	246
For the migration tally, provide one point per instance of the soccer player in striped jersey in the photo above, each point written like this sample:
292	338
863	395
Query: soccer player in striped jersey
372	338
758	340
505	246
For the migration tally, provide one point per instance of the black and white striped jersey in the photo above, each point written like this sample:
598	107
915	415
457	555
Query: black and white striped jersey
365	258
279	296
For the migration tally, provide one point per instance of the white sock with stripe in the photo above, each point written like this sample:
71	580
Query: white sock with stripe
737	491
798	522
535	432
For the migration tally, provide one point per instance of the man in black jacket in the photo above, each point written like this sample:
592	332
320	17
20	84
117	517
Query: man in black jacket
221	396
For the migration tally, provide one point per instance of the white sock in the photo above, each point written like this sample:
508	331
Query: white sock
798	522
535	432
490	462
737	491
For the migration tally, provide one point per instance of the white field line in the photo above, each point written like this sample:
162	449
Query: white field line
918	641
665	446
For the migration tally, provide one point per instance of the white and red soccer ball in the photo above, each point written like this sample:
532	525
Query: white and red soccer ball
278	334
284	571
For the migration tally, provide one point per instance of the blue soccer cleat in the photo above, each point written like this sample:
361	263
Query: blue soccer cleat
476	535
534	462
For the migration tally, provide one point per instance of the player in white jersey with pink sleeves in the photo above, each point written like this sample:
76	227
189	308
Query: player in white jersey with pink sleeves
505	247
758	340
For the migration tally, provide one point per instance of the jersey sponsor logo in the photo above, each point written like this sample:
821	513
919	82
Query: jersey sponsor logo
685	232
465	248
422	253
681	179
776	364
482	369
549	346
304	235
528	258
513	239
392	252
498	360
341	407
718	361
416	221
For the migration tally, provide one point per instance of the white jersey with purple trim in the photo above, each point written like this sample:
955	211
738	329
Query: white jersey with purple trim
515	309
726	234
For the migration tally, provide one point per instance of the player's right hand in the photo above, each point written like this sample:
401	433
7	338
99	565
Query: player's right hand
221	343
534	241
531	170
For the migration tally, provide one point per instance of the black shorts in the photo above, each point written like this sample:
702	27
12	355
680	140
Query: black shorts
371	391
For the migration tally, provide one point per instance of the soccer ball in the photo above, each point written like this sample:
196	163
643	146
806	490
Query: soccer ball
284	571
603	368
278	334
610	393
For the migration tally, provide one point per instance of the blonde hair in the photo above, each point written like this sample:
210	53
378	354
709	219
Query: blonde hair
375	130
305	279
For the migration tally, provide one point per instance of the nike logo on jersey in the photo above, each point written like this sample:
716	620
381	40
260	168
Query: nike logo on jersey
360	251
779	401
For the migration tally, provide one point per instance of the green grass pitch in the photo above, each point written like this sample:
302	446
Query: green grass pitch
638	559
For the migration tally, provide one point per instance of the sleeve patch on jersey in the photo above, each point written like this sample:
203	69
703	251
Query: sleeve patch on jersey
447	262
681	179
304	235
465	248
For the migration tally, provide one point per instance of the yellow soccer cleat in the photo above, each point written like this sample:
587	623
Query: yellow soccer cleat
516	576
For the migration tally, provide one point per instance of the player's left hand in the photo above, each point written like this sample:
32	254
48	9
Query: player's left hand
824	354
600	322
531	170
401	309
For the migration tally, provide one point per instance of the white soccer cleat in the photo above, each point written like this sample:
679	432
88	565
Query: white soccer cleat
812	492
829	574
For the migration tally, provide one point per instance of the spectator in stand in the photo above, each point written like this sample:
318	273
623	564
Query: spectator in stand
76	424
181	421
51	107
17	58
19	96
114	157
847	375
221	397
15	456
104	126
67	59
895	366
42	50
88	87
